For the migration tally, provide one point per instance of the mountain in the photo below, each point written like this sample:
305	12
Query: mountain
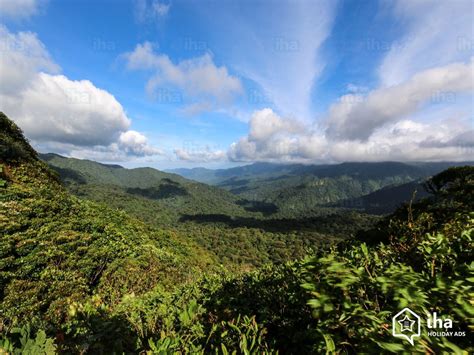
386	199
170	194
216	176
80	277
222	223
87	171
296	189
204	175
56	250
262	171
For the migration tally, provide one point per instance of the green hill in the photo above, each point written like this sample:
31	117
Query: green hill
170	195
241	234
56	249
386	199
78	277
292	190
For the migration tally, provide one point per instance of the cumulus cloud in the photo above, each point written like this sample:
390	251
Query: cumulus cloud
55	108
199	78
135	143
356	116
265	124
405	140
272	137
19	9
52	108
22	56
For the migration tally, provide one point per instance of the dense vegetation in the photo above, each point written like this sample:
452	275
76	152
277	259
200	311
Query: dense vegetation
242	234
297	190
79	277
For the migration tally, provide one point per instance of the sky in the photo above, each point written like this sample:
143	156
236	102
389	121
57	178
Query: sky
175	83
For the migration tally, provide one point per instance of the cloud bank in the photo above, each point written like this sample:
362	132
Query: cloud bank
404	140
356	116
52	109
205	155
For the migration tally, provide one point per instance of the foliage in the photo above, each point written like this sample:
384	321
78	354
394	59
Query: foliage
22	341
97	280
296	190
2	181
211	217
13	146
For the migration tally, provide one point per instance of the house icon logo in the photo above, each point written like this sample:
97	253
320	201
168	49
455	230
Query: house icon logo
406	324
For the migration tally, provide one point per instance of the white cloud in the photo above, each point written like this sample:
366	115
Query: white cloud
405	140
265	124
205	155
272	137
55	108
135	143
22	55
436	33
18	9
199	77
422	109
51	108
150	10
356	117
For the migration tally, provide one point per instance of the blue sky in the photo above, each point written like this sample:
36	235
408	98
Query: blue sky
221	83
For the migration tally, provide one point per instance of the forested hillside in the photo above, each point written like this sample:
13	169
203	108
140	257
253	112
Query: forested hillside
172	194
241	233
296	189
78	276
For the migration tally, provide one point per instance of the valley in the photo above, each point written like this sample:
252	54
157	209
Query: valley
96	258
290	177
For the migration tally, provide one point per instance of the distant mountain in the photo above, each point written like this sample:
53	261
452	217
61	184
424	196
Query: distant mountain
211	176
387	199
169	195
204	175
297	189
362	169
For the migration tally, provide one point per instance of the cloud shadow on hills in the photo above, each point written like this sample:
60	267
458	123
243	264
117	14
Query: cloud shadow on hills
166	190
266	208
335	224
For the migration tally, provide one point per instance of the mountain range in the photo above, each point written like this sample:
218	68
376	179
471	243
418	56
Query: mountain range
296	189
97	259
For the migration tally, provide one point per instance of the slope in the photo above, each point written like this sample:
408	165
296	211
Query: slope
236	232
97	281
170	195
56	249
301	190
